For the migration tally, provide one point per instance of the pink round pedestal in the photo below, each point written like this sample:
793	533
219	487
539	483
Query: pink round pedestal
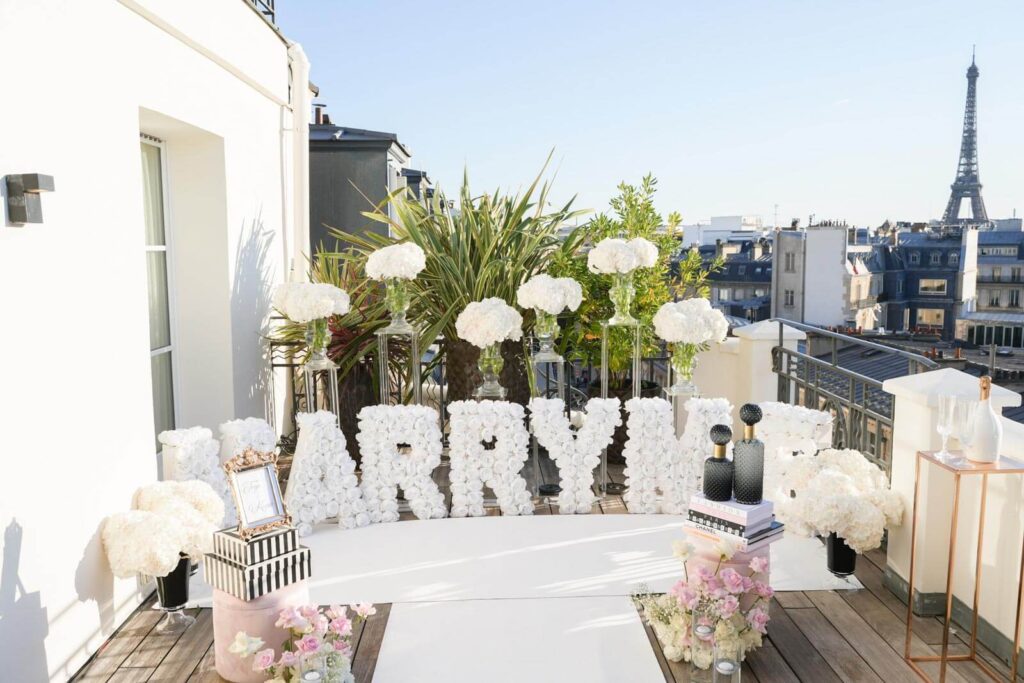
256	617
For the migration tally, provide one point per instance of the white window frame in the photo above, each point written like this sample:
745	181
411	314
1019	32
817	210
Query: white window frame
922	292
168	249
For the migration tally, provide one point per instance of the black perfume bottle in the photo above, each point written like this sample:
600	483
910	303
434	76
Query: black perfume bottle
718	468
748	459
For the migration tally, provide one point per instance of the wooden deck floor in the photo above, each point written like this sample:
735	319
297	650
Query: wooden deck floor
814	636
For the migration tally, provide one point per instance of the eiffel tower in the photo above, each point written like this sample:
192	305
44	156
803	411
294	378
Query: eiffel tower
967	183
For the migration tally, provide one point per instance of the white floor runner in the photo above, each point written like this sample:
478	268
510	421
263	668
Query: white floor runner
520	557
598	640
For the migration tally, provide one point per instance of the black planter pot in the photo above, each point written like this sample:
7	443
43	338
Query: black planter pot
842	560
173	588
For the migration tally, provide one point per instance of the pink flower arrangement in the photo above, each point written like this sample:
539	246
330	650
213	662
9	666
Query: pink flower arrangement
733	602
316	638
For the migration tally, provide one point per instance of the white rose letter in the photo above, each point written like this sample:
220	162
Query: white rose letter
381	430
576	456
323	480
473	465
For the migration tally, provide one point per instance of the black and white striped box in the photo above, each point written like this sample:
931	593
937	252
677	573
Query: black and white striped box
228	545
252	581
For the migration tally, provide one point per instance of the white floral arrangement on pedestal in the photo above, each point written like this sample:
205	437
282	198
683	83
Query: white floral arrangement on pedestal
238	435
694	448
472	465
398	261
690	325
615	255
650	433
192	453
381	429
840	492
322	483
170	519
488	323
575	456
304	302
552	295
786	430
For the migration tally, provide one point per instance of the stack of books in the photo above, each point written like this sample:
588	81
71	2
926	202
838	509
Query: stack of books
751	527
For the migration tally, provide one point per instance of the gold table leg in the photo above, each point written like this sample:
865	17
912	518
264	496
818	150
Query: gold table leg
913	553
949	579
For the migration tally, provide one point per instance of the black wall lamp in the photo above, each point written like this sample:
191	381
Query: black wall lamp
23	202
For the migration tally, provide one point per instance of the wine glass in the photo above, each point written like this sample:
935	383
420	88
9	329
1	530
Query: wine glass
945	423
963	422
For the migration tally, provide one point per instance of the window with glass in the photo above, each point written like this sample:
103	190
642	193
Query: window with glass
954	258
790	262
723	294
1014	298
993	297
932	286
915	257
788	297
161	347
997	274
1015	274
931	317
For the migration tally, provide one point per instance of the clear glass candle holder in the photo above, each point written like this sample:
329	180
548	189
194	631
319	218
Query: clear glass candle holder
621	293
490	364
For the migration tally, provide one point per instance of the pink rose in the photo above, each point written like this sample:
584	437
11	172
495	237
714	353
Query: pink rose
364	609
343	647
758	620
732	581
322	624
728	607
310	612
764	590
748	583
263	660
335	611
704	573
342	626
289	659
309	644
758	565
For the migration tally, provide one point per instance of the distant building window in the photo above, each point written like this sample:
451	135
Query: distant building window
997	274
741	270
723	294
936	257
790	262
997	251
1014	298
899	287
915	258
993	298
758	270
738	294
1015	274
932	286
759	291
787	299
954	258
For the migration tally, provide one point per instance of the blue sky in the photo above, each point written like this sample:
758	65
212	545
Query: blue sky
845	110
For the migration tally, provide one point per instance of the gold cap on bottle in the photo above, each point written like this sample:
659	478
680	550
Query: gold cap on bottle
986	387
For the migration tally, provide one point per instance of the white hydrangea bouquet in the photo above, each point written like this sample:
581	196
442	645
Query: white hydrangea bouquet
396	265
690	325
619	258
171	526
839	492
723	609
311	304
548	297
485	324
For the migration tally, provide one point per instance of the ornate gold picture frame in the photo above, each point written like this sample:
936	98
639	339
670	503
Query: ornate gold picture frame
252	476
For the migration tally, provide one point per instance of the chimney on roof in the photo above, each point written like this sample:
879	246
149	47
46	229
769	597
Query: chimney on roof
756	250
719	249
318	113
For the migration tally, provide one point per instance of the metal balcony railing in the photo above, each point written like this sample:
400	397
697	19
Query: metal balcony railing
814	376
266	8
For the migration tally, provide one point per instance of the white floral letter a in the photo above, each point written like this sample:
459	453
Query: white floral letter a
381	430
473	423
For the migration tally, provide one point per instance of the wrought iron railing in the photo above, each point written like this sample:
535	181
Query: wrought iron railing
265	7
812	375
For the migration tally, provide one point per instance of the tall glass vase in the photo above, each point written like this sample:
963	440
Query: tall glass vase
396	298
546	329
318	336
684	359
318	364
490	365
173	593
621	293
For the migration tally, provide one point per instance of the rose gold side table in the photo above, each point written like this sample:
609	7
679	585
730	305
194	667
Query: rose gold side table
959	468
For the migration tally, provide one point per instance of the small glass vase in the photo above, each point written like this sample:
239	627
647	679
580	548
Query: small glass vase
172	590
727	666
621	294
318	336
396	298
684	360
546	329
702	644
490	365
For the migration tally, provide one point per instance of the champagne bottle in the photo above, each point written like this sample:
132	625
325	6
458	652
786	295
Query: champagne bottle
748	459
718	468
987	429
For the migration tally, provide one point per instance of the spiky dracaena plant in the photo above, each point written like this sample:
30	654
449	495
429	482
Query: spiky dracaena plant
486	247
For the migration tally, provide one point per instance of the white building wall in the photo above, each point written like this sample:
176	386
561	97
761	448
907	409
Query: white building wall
82	80
825	294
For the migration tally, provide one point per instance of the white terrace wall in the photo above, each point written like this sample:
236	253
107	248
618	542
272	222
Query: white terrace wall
81	81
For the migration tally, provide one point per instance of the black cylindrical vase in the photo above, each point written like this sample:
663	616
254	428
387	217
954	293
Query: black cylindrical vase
748	458
718	469
842	560
173	588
